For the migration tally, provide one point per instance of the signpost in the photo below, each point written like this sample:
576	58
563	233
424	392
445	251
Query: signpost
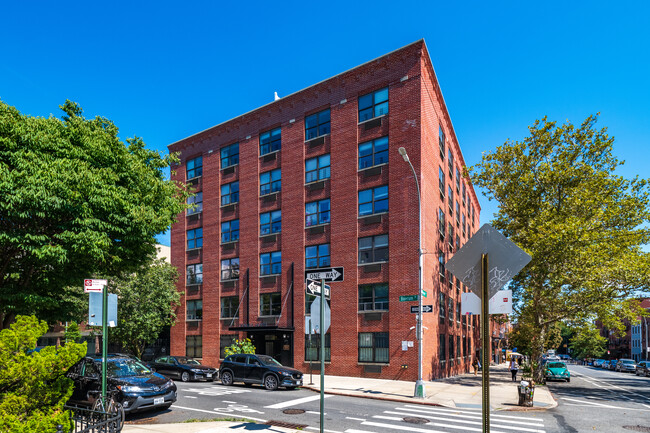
329	275
91	285
425	309
470	264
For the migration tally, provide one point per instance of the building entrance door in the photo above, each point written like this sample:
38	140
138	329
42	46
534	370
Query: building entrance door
278	344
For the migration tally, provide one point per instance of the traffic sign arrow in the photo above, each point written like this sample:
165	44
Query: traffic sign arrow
327	274
425	309
313	288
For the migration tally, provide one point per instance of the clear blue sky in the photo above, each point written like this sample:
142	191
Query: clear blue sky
165	70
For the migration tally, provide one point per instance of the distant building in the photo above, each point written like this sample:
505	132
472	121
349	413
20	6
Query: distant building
314	180
639	335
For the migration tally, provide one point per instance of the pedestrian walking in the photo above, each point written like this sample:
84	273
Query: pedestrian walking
475	365
513	368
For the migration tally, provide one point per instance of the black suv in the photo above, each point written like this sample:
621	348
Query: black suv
132	384
260	369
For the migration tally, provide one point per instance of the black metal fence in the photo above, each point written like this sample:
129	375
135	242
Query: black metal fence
86	420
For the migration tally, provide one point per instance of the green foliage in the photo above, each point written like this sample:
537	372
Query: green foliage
76	202
146	304
240	346
562	202
33	388
588	343
72	333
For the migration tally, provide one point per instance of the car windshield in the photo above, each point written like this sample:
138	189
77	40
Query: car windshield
124	367
267	360
556	365
188	361
627	361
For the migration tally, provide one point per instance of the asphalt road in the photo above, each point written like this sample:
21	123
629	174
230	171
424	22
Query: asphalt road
594	401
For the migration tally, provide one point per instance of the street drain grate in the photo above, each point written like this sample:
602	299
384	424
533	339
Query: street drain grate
415	420
287	425
293	411
638	428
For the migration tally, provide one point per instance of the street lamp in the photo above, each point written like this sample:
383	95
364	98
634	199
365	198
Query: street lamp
419	384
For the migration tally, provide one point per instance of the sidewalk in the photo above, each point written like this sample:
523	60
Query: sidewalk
462	391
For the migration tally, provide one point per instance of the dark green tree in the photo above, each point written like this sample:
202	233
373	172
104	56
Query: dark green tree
76	202
33	388
72	332
561	200
146	303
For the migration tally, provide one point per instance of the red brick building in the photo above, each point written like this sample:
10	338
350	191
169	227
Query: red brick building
315	179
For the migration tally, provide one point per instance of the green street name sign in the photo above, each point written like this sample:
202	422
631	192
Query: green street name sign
424	294
408	298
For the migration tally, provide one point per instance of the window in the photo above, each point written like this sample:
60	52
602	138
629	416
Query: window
270	304
194	346
194	310
229	231
317	256
229	307
458	311
229	193
195	238
451	313
442	301
270	222
465	348
194	167
270	141
197	201
271	263
373	249
373	347
457	242
373	297
464	194
373	153
450	200
443	352
271	181
457	180
317	124
230	269
194	274
225	341
317	212
463	226
230	155
373	104
451	347
441	222
450	162
374	200
441	142
457	212
312	347
317	168
451	234
441	264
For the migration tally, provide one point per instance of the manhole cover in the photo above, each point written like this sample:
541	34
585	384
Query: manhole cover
287	425
293	411
637	428
415	420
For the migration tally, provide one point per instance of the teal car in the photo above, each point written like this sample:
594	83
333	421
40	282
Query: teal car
557	371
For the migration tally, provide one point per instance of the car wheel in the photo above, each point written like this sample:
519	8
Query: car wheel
226	378
185	377
568	380
271	382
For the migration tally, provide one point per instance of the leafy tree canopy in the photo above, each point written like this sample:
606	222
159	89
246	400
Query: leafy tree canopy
76	202
240	346
561	200
146	304
33	388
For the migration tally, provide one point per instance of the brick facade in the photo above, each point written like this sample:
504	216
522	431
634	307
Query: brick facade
416	112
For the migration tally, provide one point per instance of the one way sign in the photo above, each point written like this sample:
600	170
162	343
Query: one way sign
313	288
327	274
425	309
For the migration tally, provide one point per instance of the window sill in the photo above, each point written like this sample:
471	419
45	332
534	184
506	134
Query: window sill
194	179
232	280
270	276
223	206
372	311
375	170
269	317
229	243
228	318
193	214
372	263
316	141
269	195
271	155
372	218
191	250
232	166
193	284
193	320
374	119
316	185
373	363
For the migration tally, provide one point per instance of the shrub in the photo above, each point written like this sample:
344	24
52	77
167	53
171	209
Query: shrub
240	346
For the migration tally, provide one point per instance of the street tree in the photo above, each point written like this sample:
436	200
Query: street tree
76	202
33	386
147	302
587	342
561	200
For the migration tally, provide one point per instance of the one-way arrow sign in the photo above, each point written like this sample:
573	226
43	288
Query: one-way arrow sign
313	288
425	309
327	274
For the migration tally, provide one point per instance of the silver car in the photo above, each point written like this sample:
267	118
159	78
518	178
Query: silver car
626	365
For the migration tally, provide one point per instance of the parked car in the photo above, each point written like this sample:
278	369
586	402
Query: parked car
611	365
626	365
132	384
260	369
183	368
557	371
598	363
642	368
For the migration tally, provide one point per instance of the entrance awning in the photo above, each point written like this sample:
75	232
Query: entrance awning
250	328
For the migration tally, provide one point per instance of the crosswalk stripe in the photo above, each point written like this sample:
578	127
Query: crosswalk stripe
518	428
295	402
512	420
476	412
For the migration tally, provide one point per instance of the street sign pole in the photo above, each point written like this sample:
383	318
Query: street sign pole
322	356
311	354
104	338
485	334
